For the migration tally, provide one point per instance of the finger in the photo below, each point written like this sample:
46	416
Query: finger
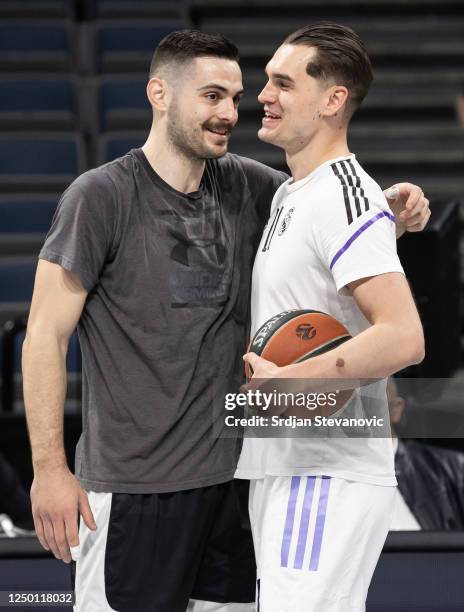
419	209
252	359
61	540
72	530
50	536
392	192
86	512
418	227
420	218
39	530
414	198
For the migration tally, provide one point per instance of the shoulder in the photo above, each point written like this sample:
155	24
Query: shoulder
346	193
252	170
101	187
108	177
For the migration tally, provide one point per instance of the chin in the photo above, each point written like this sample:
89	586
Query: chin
263	134
269	137
215	153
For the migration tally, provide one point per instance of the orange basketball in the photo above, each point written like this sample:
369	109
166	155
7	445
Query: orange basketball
293	336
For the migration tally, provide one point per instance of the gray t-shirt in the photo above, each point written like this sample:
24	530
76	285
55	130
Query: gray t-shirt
166	318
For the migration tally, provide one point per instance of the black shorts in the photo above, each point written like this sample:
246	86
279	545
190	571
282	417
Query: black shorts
162	549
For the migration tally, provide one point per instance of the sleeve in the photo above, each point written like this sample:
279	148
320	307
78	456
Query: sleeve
82	232
355	236
263	182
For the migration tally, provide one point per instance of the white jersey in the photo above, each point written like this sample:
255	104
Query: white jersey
326	230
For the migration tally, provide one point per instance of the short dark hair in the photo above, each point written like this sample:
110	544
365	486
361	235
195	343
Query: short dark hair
341	55
185	45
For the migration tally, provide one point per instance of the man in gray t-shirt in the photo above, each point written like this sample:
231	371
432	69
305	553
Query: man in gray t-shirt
151	256
167	278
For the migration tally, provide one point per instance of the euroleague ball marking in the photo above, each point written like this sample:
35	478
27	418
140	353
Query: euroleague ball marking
305	331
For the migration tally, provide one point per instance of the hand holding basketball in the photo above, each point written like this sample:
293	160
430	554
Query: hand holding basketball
259	367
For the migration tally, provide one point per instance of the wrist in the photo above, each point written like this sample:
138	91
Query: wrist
50	463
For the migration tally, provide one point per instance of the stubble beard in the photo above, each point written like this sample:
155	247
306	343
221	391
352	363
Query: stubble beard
188	141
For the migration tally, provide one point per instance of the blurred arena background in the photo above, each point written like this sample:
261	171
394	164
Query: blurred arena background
72	96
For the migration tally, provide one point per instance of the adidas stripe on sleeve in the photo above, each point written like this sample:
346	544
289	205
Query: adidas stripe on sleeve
355	232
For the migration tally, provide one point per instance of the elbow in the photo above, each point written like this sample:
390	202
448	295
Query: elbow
43	339
416	346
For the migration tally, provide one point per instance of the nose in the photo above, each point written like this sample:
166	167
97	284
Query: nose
228	112
268	94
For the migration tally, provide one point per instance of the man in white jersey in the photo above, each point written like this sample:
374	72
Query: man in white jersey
320	508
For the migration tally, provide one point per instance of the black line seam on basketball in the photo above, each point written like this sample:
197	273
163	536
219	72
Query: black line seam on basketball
324	348
289	316
282	323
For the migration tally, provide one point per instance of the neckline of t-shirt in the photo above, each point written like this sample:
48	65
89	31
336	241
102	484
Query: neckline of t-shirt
294	186
159	182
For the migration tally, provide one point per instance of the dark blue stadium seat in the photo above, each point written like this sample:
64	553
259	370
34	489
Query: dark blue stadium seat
26	215
33	102
129	45
39	161
123	103
24	221
32	45
128	8
17	278
113	145
32	8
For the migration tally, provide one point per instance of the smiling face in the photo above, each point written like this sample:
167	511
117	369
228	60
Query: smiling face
203	107
294	102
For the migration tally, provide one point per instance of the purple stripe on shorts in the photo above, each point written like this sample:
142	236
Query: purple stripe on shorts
320	521
305	514
358	232
294	488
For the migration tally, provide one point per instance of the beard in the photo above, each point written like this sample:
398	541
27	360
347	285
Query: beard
188	140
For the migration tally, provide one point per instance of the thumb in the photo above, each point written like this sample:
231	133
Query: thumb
251	359
86	512
392	192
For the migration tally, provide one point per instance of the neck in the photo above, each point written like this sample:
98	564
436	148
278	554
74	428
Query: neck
323	146
177	170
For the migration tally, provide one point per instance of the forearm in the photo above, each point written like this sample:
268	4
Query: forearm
375	353
44	387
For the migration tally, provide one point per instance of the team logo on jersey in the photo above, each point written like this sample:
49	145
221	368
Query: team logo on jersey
286	222
305	331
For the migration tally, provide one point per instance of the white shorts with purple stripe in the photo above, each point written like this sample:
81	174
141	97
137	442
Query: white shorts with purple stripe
317	541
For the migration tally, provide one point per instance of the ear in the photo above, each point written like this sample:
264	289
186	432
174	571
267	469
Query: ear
156	93
336	100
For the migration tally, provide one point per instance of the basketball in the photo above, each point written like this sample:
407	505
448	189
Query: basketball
293	336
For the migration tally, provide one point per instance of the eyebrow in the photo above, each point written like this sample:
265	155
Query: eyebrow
284	77
220	88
